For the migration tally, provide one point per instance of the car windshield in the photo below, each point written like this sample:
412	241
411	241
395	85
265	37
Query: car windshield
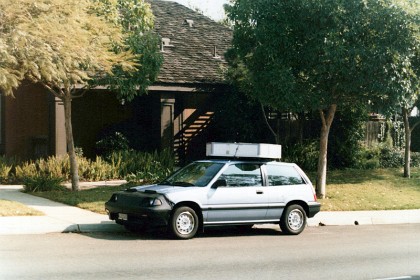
195	174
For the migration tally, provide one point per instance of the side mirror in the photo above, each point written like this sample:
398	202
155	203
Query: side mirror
219	183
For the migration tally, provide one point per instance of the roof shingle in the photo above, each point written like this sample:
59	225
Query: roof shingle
190	58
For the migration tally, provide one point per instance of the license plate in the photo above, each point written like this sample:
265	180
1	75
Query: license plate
122	216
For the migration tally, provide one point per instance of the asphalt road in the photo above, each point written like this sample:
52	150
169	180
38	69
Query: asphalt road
345	252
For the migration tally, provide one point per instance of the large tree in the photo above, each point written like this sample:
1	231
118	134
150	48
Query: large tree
403	83
65	45
301	55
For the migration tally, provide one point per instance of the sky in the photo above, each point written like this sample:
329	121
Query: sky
210	8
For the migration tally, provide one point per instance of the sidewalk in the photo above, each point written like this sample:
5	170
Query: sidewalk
63	218
58	217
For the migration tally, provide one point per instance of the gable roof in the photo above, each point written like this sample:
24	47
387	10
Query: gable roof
190	57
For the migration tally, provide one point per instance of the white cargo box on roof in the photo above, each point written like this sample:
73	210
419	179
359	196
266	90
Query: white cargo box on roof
247	150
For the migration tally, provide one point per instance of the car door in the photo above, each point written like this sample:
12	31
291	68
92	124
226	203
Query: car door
241	199
284	183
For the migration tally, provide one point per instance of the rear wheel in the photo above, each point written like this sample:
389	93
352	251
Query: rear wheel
184	223
293	220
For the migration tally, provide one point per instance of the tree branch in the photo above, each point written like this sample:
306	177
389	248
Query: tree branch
414	126
54	92
268	124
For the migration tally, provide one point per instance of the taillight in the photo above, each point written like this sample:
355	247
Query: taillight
315	197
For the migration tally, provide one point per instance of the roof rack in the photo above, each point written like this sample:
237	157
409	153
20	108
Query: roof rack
243	150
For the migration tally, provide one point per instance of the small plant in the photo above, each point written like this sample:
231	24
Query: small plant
143	167
111	143
6	168
42	183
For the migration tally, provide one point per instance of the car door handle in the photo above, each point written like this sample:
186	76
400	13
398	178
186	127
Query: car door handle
260	192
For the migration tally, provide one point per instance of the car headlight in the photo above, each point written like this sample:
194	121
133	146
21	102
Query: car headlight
155	202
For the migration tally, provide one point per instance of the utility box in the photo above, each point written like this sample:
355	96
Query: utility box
243	150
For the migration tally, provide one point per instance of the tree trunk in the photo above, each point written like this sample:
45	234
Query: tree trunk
407	152
323	149
74	169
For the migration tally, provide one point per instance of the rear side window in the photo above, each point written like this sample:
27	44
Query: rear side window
242	175
283	175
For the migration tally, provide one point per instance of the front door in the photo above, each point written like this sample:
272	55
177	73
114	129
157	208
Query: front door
243	199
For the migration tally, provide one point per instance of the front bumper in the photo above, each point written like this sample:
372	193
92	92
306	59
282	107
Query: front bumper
131	209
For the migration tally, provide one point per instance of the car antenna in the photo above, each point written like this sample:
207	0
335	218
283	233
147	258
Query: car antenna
237	148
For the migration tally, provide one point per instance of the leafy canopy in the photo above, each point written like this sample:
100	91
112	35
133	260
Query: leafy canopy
302	54
60	43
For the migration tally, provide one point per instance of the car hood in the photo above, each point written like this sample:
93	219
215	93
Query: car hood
163	189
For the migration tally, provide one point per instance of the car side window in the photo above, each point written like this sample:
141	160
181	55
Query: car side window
242	175
283	175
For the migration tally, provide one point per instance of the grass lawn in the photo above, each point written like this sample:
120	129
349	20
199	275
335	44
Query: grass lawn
379	189
347	190
13	208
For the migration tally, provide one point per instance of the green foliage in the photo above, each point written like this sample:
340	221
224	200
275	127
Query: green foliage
384	156
97	170
346	134
6	168
42	183
29	43
59	167
111	143
305	154
131	165
143	167
391	157
302	54
136	19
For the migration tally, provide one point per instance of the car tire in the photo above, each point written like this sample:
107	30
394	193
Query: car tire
184	223
293	220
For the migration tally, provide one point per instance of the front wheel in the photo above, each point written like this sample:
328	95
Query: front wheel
184	223
293	220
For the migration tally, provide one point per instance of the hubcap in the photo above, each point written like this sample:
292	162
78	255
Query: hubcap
295	219
185	223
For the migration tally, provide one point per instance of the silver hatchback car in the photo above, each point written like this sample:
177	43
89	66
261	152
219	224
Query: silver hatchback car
220	192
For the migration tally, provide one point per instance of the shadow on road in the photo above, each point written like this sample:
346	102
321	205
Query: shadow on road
160	234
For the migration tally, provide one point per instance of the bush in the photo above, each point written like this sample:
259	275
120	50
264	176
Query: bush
415	159
368	158
59	167
111	143
42	183
391	157
143	167
7	166
97	170
305	155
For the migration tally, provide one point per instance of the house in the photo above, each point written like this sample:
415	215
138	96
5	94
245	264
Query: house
174	114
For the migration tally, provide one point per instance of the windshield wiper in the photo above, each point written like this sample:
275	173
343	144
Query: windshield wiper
165	183
182	184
